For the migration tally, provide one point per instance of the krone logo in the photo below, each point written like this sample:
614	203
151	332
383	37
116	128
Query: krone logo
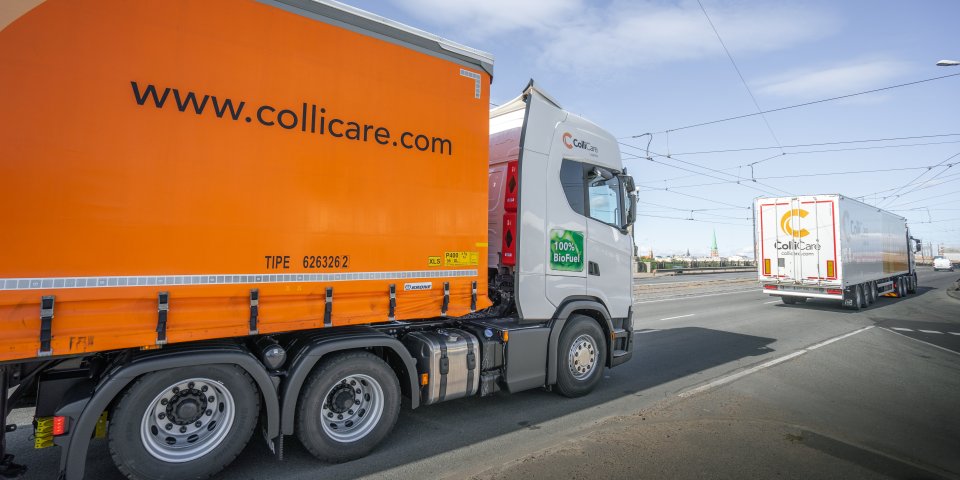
786	220
566	140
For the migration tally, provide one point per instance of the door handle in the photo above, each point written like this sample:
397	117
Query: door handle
593	268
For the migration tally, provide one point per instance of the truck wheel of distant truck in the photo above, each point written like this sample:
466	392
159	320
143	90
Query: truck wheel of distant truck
913	284
874	292
582	353
857	298
864	295
183	423
348	405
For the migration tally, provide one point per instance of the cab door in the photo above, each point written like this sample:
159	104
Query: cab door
609	249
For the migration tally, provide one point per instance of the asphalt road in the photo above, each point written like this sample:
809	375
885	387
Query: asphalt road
892	388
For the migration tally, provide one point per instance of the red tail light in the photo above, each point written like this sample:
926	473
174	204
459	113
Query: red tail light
59	426
771	287
834	291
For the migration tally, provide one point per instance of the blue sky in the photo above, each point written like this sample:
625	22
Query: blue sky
651	66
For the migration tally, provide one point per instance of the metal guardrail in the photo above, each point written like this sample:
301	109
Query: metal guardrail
696	270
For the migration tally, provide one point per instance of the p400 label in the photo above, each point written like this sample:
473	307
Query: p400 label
566	250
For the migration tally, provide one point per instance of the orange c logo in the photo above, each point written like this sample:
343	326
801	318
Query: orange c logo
566	140
785	223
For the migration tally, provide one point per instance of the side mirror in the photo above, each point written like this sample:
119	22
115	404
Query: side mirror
632	213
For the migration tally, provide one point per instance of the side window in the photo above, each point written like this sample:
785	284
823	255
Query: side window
571	177
604	195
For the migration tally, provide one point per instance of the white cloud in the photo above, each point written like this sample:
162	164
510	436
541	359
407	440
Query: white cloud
854	76
624	34
483	19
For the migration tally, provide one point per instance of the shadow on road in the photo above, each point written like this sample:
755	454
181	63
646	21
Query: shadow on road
835	306
661	356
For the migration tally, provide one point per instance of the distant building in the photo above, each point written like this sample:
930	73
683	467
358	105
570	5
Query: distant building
714	251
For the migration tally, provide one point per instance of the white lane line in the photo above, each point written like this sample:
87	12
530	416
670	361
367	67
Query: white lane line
921	341
954	333
649	330
902	329
930	331
752	290
775	361
775	301
678	316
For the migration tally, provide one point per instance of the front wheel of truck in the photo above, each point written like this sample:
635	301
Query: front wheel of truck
183	423
582	351
348	406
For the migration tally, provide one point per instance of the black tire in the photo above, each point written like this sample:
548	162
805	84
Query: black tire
857	300
582	348
874	293
912	288
330	388
864	295
788	300
132	438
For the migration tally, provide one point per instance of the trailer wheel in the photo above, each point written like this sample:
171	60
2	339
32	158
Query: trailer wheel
788	300
874	294
857	298
183	423
912	285
348	406
582	350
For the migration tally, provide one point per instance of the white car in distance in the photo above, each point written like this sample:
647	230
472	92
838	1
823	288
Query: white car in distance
942	263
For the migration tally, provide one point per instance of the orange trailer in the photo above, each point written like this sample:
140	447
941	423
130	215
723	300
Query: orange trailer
214	154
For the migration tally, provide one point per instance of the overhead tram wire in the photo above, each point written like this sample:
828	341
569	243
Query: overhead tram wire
824	144
745	182
740	180
947	167
776	177
920	186
841	97
878	147
739	74
698	220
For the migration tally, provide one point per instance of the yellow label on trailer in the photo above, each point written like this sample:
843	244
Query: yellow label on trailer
460	259
434	262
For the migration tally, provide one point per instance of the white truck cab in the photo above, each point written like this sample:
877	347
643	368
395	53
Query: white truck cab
566	236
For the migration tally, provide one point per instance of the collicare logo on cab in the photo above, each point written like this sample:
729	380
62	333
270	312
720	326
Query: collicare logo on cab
786	221
570	142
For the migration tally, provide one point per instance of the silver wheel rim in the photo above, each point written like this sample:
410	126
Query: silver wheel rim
352	408
582	357
187	420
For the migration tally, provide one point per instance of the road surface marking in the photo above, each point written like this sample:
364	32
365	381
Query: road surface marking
954	333
930	331
678	316
775	301
649	330
902	329
775	361
699	296
921	341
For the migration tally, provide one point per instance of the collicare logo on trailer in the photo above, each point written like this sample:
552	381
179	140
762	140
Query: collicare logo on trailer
797	246
570	142
787	220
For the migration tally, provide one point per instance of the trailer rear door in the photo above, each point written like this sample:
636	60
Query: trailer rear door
797	238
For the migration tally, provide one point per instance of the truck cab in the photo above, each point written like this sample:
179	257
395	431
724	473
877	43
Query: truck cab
561	209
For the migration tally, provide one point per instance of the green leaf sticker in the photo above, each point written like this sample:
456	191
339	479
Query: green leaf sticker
566	250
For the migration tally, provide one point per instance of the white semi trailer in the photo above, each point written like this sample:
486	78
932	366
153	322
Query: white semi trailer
832	247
